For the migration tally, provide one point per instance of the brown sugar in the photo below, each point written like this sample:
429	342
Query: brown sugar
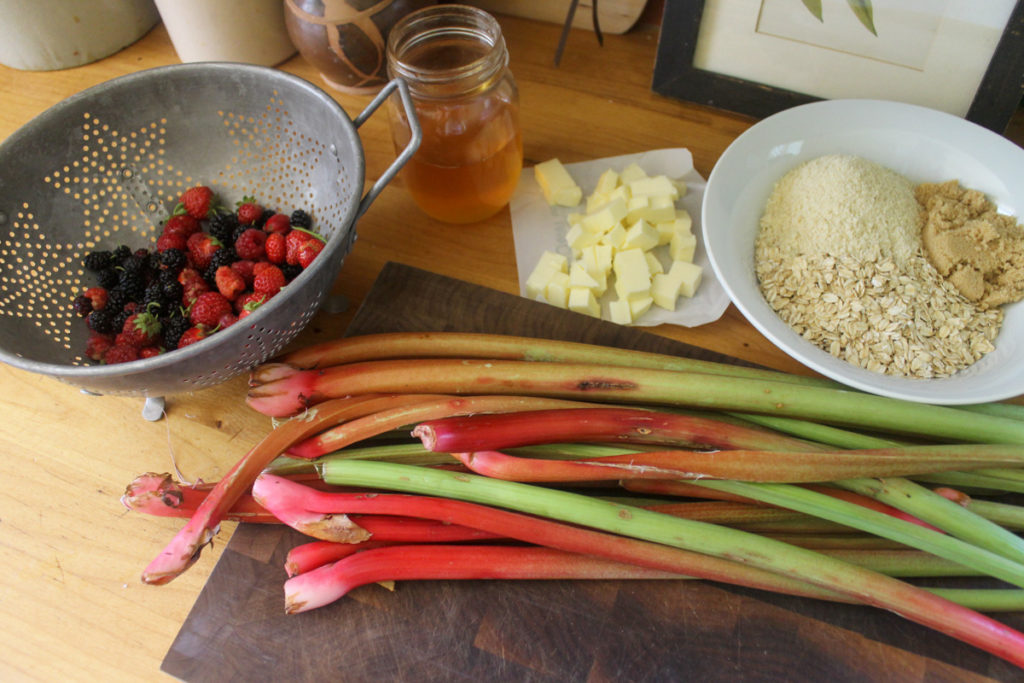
980	251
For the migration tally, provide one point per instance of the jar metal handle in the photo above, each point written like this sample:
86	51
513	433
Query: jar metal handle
410	149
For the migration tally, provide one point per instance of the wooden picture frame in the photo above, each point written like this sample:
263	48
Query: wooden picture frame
997	96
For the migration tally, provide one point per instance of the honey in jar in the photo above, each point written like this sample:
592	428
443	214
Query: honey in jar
454	60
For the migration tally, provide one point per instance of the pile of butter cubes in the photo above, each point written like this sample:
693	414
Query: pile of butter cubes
613	242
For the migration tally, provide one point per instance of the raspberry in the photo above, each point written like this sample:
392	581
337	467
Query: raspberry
267	279
278	222
250	244
244	270
197	201
208	309
275	248
229	283
97	345
120	353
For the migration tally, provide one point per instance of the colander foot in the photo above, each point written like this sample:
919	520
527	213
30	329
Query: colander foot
153	409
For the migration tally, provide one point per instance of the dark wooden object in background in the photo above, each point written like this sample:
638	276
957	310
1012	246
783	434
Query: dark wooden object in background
537	630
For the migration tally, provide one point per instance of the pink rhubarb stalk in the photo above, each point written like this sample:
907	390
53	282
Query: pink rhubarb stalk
184	549
326	584
308	556
162	496
613	425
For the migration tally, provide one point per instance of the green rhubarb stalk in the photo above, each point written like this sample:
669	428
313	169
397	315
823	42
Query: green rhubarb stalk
818	433
798	563
289	395
972	480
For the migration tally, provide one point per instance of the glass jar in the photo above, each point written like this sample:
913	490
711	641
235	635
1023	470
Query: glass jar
454	60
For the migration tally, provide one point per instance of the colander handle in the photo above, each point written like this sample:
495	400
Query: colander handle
410	149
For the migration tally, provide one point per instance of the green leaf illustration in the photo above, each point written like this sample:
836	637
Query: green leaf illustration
814	7
864	12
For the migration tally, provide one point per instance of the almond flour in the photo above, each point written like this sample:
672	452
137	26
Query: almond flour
839	257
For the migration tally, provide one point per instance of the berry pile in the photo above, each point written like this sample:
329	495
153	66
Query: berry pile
210	268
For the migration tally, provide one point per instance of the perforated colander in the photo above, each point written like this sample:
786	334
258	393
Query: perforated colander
106	166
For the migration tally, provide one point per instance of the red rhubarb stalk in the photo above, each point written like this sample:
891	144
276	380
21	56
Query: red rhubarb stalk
185	547
161	495
347	433
614	425
308	556
294	393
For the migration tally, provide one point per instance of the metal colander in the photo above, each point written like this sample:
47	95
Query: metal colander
106	166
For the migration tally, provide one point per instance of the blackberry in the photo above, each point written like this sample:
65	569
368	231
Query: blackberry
173	328
117	320
222	257
133	284
82	305
301	219
120	254
101	321
116	299
267	213
153	262
173	260
154	294
108	278
97	261
290	271
222	227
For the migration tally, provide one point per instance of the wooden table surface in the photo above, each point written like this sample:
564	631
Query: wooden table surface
71	603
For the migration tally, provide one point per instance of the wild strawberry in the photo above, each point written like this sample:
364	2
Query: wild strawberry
267	279
229	283
274	248
192	335
244	269
181	224
120	353
227	320
201	248
249	244
308	251
97	345
279	222
246	304
171	240
294	240
249	211
208	309
149	351
139	330
192	285
197	201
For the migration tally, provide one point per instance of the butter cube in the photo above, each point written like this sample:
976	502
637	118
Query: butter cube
660	210
557	185
638	305
632	172
632	275
619	312
579	277
606	217
682	246
597	259
556	292
607	182
595	201
582	300
653	264
547	266
682	224
636	209
641	235
614	237
683	277
655	186
578	237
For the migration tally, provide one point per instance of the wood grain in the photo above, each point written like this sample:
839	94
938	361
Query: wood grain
542	630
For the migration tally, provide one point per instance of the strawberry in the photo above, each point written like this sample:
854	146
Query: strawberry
98	345
308	251
171	240
274	248
192	335
149	351
192	285
197	201
249	211
279	222
201	247
227	320
294	240
244	269
208	309
267	279
246	304
229	282
250	244
140	329
181	224
120	353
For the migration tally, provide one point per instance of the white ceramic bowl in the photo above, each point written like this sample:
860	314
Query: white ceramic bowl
922	144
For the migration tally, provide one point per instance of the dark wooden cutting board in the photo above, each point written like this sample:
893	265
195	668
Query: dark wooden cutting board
537	630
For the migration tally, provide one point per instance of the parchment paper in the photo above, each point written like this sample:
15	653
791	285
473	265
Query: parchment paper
538	227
